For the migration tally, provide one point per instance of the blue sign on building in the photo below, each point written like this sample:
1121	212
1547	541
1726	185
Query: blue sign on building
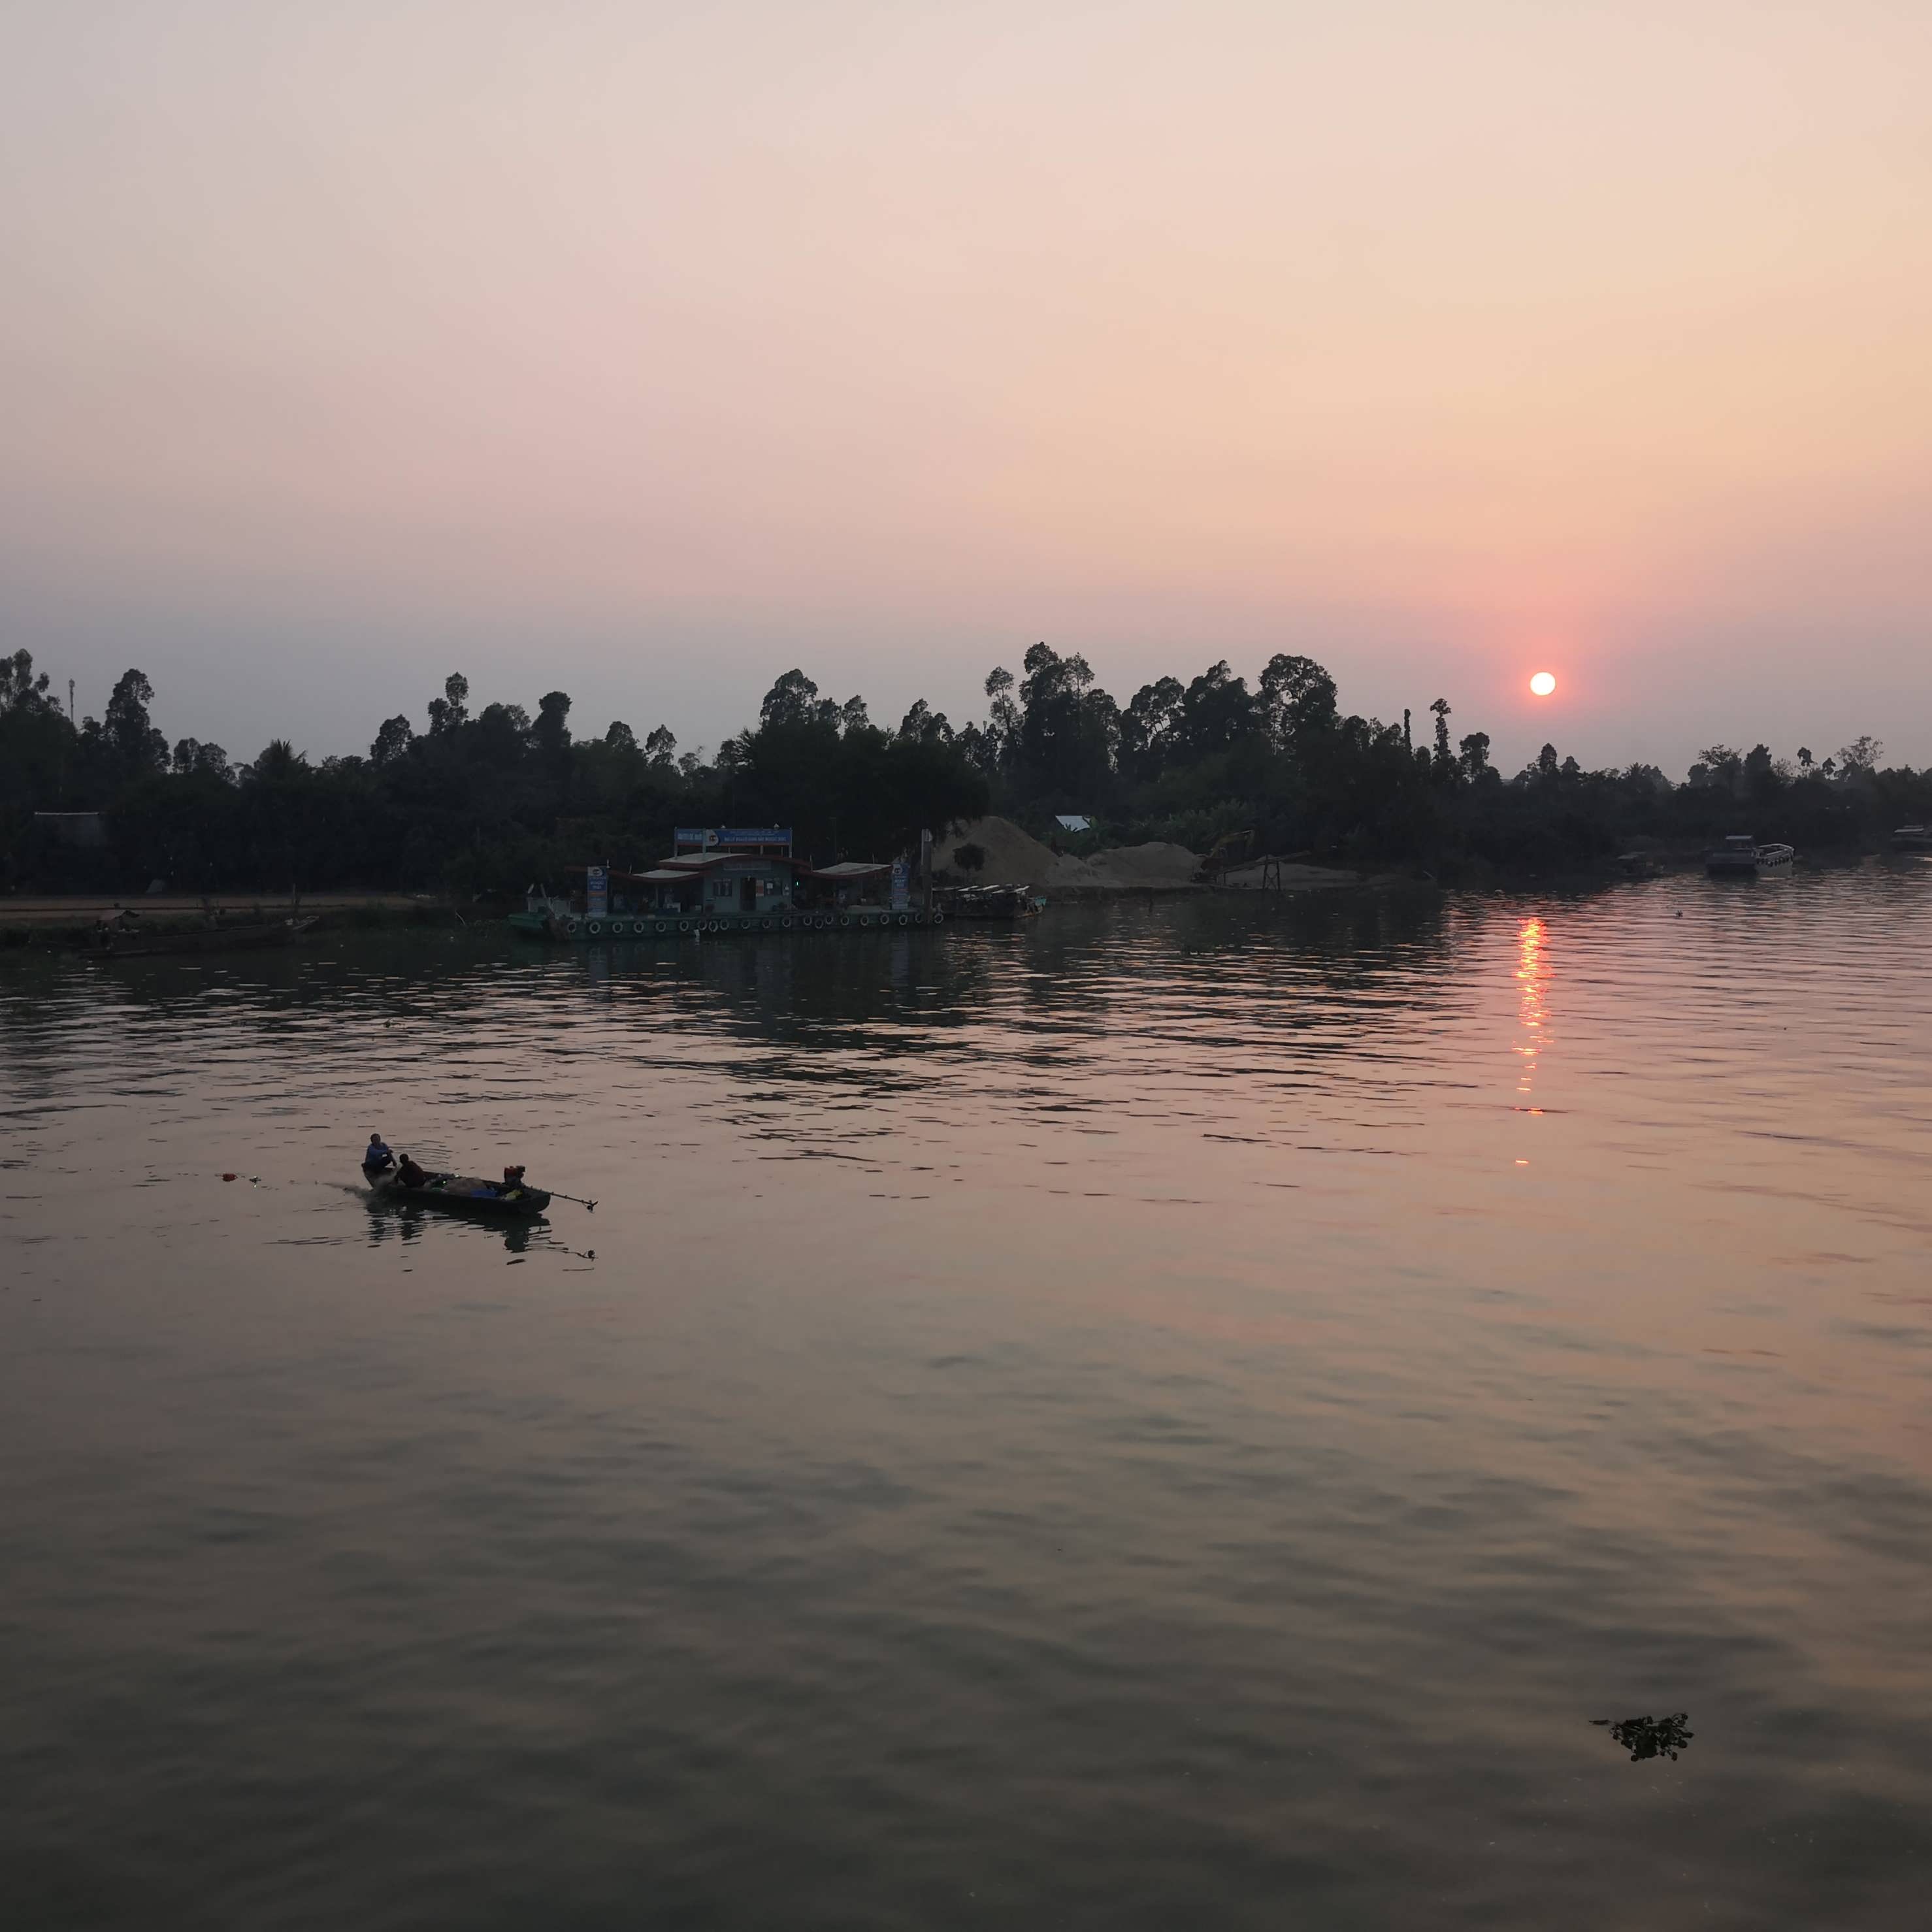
712	838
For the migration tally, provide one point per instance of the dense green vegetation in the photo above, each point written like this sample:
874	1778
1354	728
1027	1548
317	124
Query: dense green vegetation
481	802
1197	763
488	802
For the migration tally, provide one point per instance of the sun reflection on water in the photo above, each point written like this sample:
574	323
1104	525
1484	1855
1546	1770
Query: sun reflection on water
1532	974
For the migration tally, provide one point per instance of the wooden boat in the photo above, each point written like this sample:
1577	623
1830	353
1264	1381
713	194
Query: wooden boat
132	942
1912	839
1742	856
461	1194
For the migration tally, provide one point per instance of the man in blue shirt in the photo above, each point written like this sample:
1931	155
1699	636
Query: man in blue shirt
377	1158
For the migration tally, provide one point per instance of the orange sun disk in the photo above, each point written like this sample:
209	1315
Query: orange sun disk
1543	684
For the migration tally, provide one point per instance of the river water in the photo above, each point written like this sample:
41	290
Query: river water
1189	1414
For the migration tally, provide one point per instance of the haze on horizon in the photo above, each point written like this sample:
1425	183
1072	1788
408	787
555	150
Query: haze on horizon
648	352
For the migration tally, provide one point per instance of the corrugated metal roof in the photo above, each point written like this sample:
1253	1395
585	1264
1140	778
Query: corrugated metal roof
688	862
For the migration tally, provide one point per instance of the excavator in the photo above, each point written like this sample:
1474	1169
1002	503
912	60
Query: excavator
1230	850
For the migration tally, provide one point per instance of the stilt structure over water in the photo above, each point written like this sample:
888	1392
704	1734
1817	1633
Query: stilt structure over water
727	879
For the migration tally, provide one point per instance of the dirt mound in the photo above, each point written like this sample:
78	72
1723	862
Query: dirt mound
1156	863
1013	858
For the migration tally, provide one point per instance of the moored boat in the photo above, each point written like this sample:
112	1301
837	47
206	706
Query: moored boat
133	942
1637	866
1912	839
989	902
1742	856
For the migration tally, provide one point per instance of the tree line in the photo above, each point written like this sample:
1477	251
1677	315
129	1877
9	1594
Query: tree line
489	800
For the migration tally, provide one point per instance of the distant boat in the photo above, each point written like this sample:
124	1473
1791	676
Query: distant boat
1742	856
1913	838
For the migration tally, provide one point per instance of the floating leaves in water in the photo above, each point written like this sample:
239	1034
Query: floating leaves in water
1651	1737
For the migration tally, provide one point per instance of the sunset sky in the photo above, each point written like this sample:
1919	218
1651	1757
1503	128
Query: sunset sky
646	351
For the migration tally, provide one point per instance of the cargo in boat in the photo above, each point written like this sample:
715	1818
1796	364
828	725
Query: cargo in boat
990	901
461	1194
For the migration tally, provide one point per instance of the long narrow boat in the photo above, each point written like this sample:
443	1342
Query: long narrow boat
461	1194
133	944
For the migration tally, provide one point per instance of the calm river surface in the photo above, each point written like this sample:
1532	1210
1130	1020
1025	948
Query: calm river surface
1180	1416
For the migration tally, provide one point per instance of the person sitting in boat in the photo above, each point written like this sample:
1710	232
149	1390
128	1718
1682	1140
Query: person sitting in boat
376	1158
513	1181
411	1175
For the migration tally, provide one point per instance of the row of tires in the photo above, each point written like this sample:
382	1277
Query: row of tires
577	927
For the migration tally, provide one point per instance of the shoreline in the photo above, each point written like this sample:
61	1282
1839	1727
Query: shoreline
67	922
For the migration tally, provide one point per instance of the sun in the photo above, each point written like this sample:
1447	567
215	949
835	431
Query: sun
1543	684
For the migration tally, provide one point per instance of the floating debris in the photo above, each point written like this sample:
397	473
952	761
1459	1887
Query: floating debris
1651	1737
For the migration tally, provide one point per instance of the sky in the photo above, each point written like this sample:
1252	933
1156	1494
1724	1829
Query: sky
647	351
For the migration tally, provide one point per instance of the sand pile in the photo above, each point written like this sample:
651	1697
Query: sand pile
1156	863
1013	857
